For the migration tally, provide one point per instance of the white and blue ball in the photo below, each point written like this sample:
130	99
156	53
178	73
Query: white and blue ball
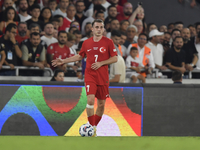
86	130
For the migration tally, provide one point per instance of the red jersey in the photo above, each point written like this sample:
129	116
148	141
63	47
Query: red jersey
57	51
119	10
19	39
121	17
66	24
97	52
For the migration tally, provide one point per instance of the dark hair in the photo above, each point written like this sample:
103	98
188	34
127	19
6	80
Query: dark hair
175	30
176	75
178	22
34	6
121	22
177	37
99	12
143	21
197	24
190	25
97	20
41	17
123	33
76	32
148	26
50	1
72	28
79	1
167	33
48	23
33	25
133	48
111	6
58	16
169	25
21	23
54	19
10	26
143	34
6	12
55	74
114	20
88	33
115	33
62	31
99	8
35	34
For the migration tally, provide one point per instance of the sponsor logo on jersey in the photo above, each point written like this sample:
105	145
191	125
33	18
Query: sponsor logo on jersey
102	49
89	50
95	48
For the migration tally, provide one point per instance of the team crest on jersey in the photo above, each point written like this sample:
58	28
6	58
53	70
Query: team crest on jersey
95	48
102	49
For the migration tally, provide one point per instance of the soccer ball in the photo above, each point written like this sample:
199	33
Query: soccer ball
86	130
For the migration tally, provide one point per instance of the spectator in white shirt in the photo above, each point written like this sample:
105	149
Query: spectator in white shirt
23	7
48	37
156	48
52	6
62	10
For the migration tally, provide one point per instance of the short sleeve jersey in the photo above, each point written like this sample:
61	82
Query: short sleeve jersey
130	62
97	52
57	51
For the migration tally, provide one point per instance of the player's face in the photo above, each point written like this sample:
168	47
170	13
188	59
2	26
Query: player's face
98	29
60	76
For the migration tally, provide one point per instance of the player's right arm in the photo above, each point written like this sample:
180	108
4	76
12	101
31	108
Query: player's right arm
58	61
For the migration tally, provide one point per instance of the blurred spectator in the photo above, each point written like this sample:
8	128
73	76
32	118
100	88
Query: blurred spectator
48	37
59	50
62	10
175	57
75	24
124	25
131	33
116	37
177	77
88	27
127	12
32	2
45	15
2	54
118	71
166	41
144	53
90	11
105	4
55	22
23	14
156	48
78	36
91	18
72	29
119	8
34	27
6	4
88	35
33	52
150	27
192	30
114	25
11	49
192	2
71	11
112	14
11	17
35	12
58	75
22	32
178	25
163	28
60	18
196	41
122	41
170	27
191	54
139	25
100	15
174	33
80	7
52	4
134	63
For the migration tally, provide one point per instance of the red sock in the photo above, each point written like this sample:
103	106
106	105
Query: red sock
97	119
91	120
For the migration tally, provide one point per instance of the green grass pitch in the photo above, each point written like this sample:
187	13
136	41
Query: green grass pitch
98	143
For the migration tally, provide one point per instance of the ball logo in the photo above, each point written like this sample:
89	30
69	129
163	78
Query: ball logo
102	49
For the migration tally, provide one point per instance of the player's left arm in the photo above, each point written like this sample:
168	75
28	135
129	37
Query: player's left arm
111	60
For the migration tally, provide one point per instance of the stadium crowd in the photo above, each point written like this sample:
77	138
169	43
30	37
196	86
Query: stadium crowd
34	32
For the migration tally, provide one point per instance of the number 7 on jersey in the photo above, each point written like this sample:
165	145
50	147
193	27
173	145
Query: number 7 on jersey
96	57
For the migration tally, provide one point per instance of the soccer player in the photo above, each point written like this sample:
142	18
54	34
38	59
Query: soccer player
100	52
